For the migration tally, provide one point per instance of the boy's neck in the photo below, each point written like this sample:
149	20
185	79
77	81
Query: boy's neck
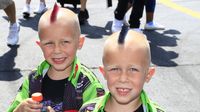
113	106
59	75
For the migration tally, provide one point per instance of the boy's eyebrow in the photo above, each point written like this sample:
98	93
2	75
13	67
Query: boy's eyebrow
54	13
45	41
135	66
131	65
109	66
123	34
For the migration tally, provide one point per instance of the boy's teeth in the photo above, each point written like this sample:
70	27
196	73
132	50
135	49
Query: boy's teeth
124	90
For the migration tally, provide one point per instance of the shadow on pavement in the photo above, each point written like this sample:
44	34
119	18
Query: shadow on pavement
6	18
160	56
7	70
93	32
31	22
96	32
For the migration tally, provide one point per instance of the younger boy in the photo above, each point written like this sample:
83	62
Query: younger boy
63	81
126	60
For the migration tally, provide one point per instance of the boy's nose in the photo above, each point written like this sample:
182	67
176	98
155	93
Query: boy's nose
57	48
123	77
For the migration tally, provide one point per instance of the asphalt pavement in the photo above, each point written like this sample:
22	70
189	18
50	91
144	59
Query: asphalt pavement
175	51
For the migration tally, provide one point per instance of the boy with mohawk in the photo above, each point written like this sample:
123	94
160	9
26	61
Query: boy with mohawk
126	67
64	82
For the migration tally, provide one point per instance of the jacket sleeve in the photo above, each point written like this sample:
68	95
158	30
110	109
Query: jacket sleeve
21	95
95	89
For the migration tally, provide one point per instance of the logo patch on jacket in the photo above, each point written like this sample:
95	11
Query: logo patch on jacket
100	92
88	108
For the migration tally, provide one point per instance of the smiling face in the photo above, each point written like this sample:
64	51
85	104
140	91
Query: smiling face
60	40
126	67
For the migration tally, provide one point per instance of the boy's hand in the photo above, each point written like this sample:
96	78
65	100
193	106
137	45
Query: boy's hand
29	105
49	109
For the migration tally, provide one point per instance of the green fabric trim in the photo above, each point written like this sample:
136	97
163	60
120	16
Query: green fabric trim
150	105
72	74
22	95
44	66
91	91
101	102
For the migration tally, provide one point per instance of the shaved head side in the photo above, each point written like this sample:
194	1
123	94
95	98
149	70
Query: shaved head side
60	16
133	40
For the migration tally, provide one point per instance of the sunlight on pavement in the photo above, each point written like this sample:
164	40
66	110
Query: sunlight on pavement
185	10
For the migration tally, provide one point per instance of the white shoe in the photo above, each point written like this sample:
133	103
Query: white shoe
126	19
27	9
117	25
153	26
136	29
13	36
41	9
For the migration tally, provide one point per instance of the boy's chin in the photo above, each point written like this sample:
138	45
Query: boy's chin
124	101
59	67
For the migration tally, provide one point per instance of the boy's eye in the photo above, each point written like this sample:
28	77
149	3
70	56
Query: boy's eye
114	69
65	42
132	69
48	43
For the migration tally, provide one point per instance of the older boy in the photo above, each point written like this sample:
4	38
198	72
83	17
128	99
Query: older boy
63	81
126	60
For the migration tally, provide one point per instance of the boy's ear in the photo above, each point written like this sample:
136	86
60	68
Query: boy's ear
81	41
151	72
38	43
101	69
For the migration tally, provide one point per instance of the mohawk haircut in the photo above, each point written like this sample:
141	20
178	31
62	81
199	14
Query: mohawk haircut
123	34
54	13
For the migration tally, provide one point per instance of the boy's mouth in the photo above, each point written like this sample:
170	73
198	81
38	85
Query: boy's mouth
123	91
58	60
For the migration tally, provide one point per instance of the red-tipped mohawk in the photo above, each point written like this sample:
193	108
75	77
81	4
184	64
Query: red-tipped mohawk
54	13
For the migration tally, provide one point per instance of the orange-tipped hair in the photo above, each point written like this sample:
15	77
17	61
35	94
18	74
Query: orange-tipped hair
54	13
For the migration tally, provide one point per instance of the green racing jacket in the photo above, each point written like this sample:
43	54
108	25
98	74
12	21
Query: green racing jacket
82	85
98	104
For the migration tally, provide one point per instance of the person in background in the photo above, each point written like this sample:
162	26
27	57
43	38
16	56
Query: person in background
9	7
27	8
83	14
135	16
150	23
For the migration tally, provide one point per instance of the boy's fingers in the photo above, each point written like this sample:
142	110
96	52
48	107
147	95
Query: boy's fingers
49	109
30	101
33	110
29	109
33	104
